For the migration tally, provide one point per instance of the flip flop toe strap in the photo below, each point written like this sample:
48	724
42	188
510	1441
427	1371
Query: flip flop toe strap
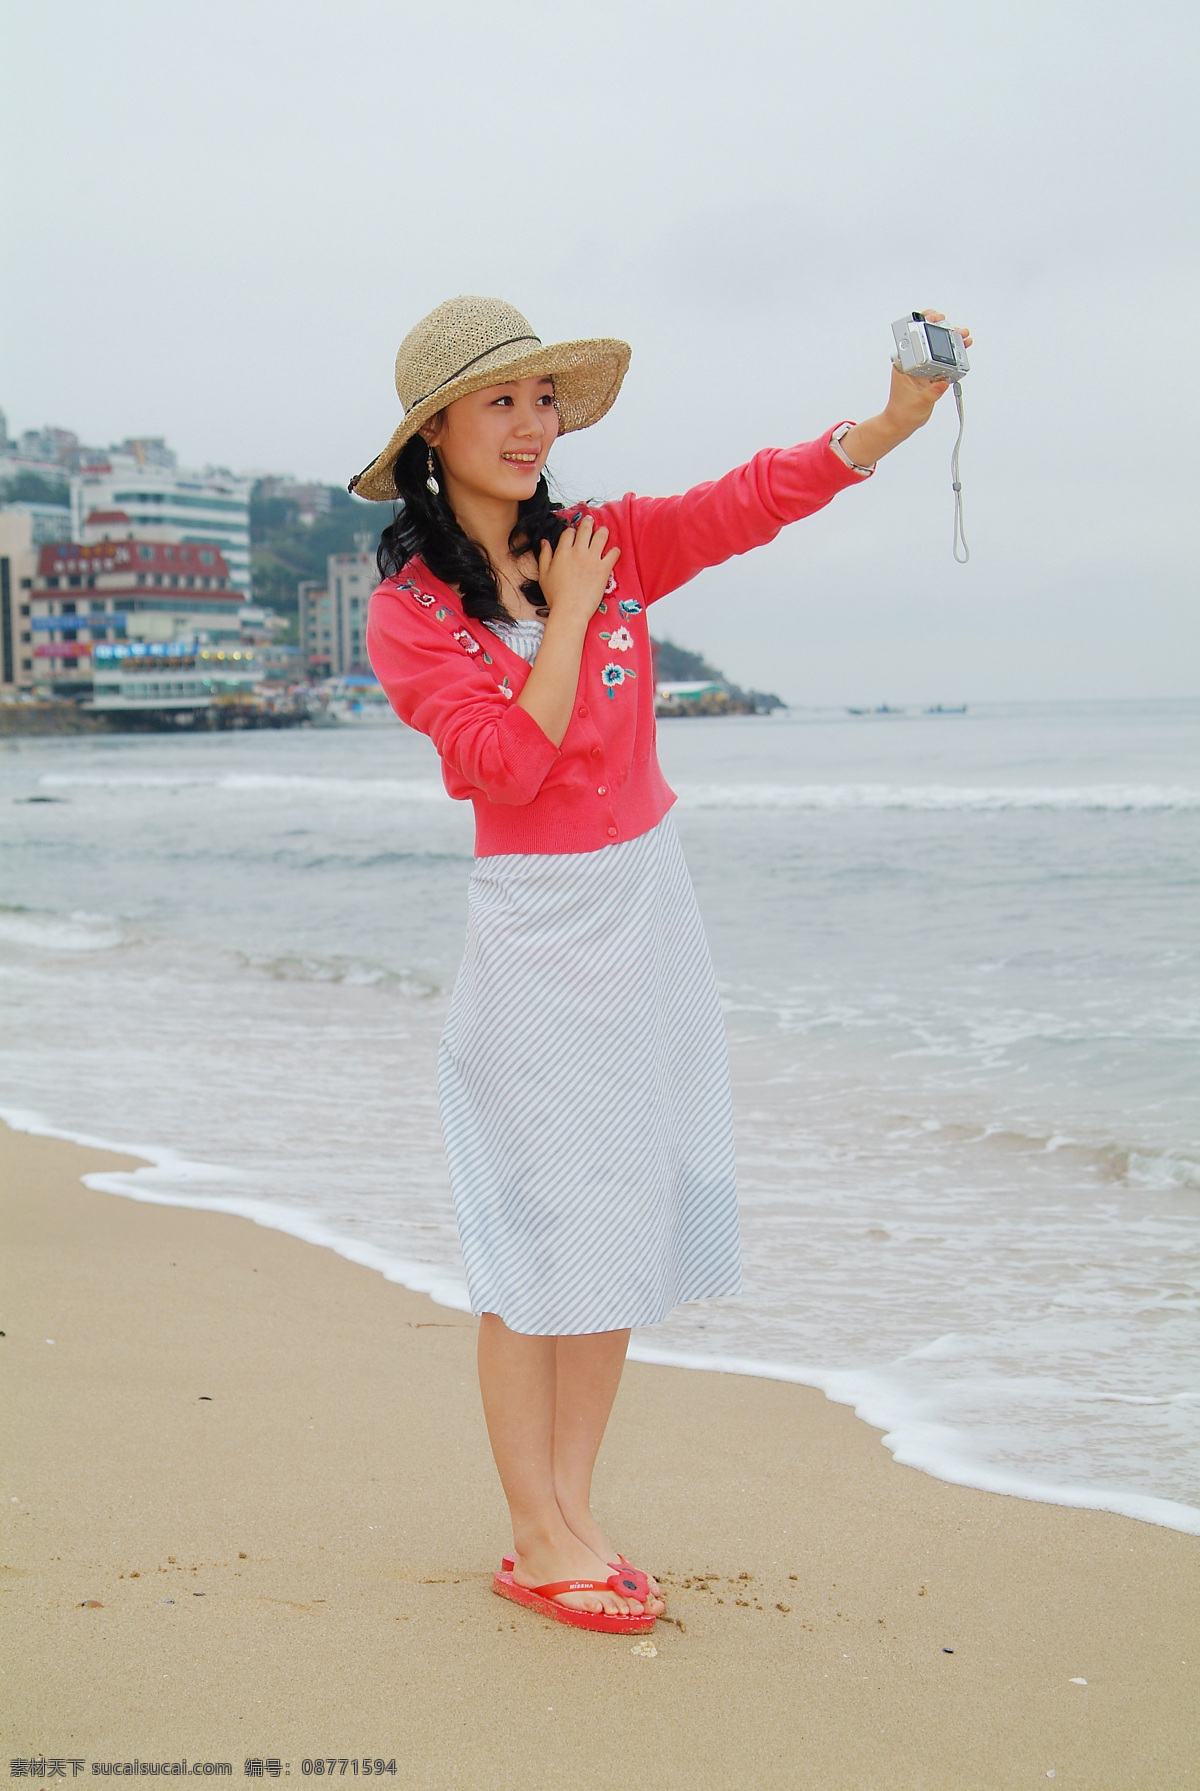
628	1583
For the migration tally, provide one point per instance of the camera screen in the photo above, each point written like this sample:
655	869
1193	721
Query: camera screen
941	347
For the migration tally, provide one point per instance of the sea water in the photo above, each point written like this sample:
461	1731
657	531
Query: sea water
960	962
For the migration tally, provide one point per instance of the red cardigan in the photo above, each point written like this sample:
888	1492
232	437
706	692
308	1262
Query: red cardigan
454	680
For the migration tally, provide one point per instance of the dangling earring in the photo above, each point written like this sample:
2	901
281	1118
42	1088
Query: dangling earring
431	483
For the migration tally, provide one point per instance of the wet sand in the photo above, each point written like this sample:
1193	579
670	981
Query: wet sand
251	1515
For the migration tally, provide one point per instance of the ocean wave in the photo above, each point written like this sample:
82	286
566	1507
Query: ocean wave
395	789
917	1440
122	780
940	797
352	972
1166	1170
884	1396
169	1179
56	932
931	797
402	789
880	1398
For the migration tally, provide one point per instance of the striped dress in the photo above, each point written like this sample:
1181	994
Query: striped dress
584	1087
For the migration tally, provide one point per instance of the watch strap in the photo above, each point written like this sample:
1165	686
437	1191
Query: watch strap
835	442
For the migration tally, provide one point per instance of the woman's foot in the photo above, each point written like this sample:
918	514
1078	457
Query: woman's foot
564	1557
583	1525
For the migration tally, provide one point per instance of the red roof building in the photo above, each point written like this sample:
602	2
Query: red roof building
124	591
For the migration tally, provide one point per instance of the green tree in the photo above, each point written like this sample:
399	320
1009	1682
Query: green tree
285	551
24	487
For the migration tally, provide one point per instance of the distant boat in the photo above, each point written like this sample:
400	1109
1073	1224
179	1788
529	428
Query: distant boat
880	709
947	709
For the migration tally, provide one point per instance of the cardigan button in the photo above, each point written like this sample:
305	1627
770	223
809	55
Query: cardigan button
595	752
612	833
602	790
583	710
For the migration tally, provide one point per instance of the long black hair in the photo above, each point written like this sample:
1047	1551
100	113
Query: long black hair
426	525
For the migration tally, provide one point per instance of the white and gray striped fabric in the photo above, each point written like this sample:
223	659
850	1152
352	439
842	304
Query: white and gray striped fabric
522	638
585	1098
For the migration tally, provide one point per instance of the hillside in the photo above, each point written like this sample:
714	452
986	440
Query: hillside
24	487
677	665
285	551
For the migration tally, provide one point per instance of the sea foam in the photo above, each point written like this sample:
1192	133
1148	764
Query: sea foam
914	1437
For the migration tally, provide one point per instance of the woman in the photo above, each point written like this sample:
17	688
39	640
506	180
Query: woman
583	1074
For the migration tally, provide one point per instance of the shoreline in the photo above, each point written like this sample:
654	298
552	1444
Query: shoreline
850	1388
252	1513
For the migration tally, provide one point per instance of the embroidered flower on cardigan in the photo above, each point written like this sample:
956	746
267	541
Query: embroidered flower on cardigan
441	614
629	606
467	641
505	688
613	674
619	640
418	596
611	586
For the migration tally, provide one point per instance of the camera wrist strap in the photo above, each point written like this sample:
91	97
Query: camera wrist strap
956	482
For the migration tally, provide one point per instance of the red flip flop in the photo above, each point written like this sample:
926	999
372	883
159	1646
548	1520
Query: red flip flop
622	1565
626	1581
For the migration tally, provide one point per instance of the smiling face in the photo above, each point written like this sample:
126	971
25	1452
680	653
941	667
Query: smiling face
493	443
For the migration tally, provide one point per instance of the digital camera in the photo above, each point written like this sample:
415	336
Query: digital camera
929	350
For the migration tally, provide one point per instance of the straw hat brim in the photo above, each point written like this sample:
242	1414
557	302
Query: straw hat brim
587	376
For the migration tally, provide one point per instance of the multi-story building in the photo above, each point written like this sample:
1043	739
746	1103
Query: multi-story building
315	627
122	591
177	678
18	563
48	448
56	453
47	522
138	498
333	616
308	501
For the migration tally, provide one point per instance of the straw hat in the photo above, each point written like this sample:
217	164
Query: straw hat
468	343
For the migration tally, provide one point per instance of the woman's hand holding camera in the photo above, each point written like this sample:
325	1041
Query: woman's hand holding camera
909	407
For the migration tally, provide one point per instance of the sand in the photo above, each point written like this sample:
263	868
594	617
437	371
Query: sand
251	1515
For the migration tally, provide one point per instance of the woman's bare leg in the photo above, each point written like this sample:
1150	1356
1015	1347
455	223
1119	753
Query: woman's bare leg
588	1372
518	1378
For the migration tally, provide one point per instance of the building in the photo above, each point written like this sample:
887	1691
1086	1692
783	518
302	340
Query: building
47	522
56	453
48	450
147	450
18	564
128	498
180	679
145	592
333	616
307	500
688	690
315	627
260	626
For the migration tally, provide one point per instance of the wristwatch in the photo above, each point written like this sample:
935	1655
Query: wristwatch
835	442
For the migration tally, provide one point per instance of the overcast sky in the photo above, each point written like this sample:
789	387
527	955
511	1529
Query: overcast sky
219	219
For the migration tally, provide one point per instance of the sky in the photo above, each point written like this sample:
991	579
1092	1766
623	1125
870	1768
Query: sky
219	220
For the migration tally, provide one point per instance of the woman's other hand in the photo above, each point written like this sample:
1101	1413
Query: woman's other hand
573	577
909	407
